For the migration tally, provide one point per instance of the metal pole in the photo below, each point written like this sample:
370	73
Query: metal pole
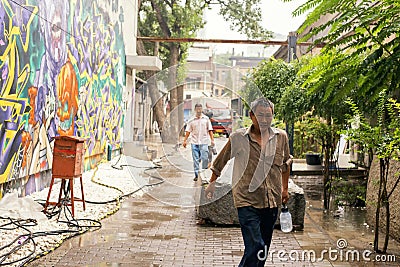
292	43
223	41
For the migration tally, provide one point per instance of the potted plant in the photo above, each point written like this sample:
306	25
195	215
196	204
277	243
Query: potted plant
313	158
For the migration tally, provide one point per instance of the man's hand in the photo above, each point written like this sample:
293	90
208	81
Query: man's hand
285	196
212	143
184	143
210	189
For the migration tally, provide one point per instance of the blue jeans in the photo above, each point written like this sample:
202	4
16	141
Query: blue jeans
199	153
257	226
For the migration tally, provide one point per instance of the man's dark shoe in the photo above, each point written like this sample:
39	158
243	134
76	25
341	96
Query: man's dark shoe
195	178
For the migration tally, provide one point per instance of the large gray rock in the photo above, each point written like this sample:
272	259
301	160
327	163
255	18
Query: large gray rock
220	210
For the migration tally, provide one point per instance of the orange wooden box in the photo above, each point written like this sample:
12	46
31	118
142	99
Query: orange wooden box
68	156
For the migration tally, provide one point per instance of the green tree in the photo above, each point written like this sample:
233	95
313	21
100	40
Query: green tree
362	47
325	97
284	83
280	82
294	101
269	79
360	57
168	19
183	18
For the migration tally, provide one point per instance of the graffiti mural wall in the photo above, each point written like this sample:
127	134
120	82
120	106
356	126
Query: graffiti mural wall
62	72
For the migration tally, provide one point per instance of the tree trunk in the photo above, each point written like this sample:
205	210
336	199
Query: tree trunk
172	75
180	109
156	97
378	206
157	101
170	135
387	229
385	199
328	148
326	177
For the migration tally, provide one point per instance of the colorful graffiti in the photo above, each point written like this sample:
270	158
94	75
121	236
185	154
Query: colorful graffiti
62	72
16	22
101	71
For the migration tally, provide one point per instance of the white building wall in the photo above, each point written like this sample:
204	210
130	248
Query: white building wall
129	29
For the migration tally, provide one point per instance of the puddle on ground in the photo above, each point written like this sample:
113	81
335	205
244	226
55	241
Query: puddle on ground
165	237
238	253
138	221
136	203
349	223
105	237
153	216
146	259
105	264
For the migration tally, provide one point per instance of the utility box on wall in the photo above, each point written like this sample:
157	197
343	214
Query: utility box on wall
68	156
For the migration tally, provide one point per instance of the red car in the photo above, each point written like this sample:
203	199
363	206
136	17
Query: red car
221	120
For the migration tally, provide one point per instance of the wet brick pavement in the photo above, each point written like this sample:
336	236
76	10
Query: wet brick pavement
159	229
147	232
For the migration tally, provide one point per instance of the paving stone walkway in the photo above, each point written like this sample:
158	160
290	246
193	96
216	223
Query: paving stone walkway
147	232
160	229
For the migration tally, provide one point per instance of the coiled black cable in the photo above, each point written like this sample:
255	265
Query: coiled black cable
76	224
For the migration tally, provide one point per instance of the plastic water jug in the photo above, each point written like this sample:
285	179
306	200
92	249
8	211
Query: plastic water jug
285	220
214	150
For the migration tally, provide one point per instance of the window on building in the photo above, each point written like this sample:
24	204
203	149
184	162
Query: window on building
193	83
223	75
